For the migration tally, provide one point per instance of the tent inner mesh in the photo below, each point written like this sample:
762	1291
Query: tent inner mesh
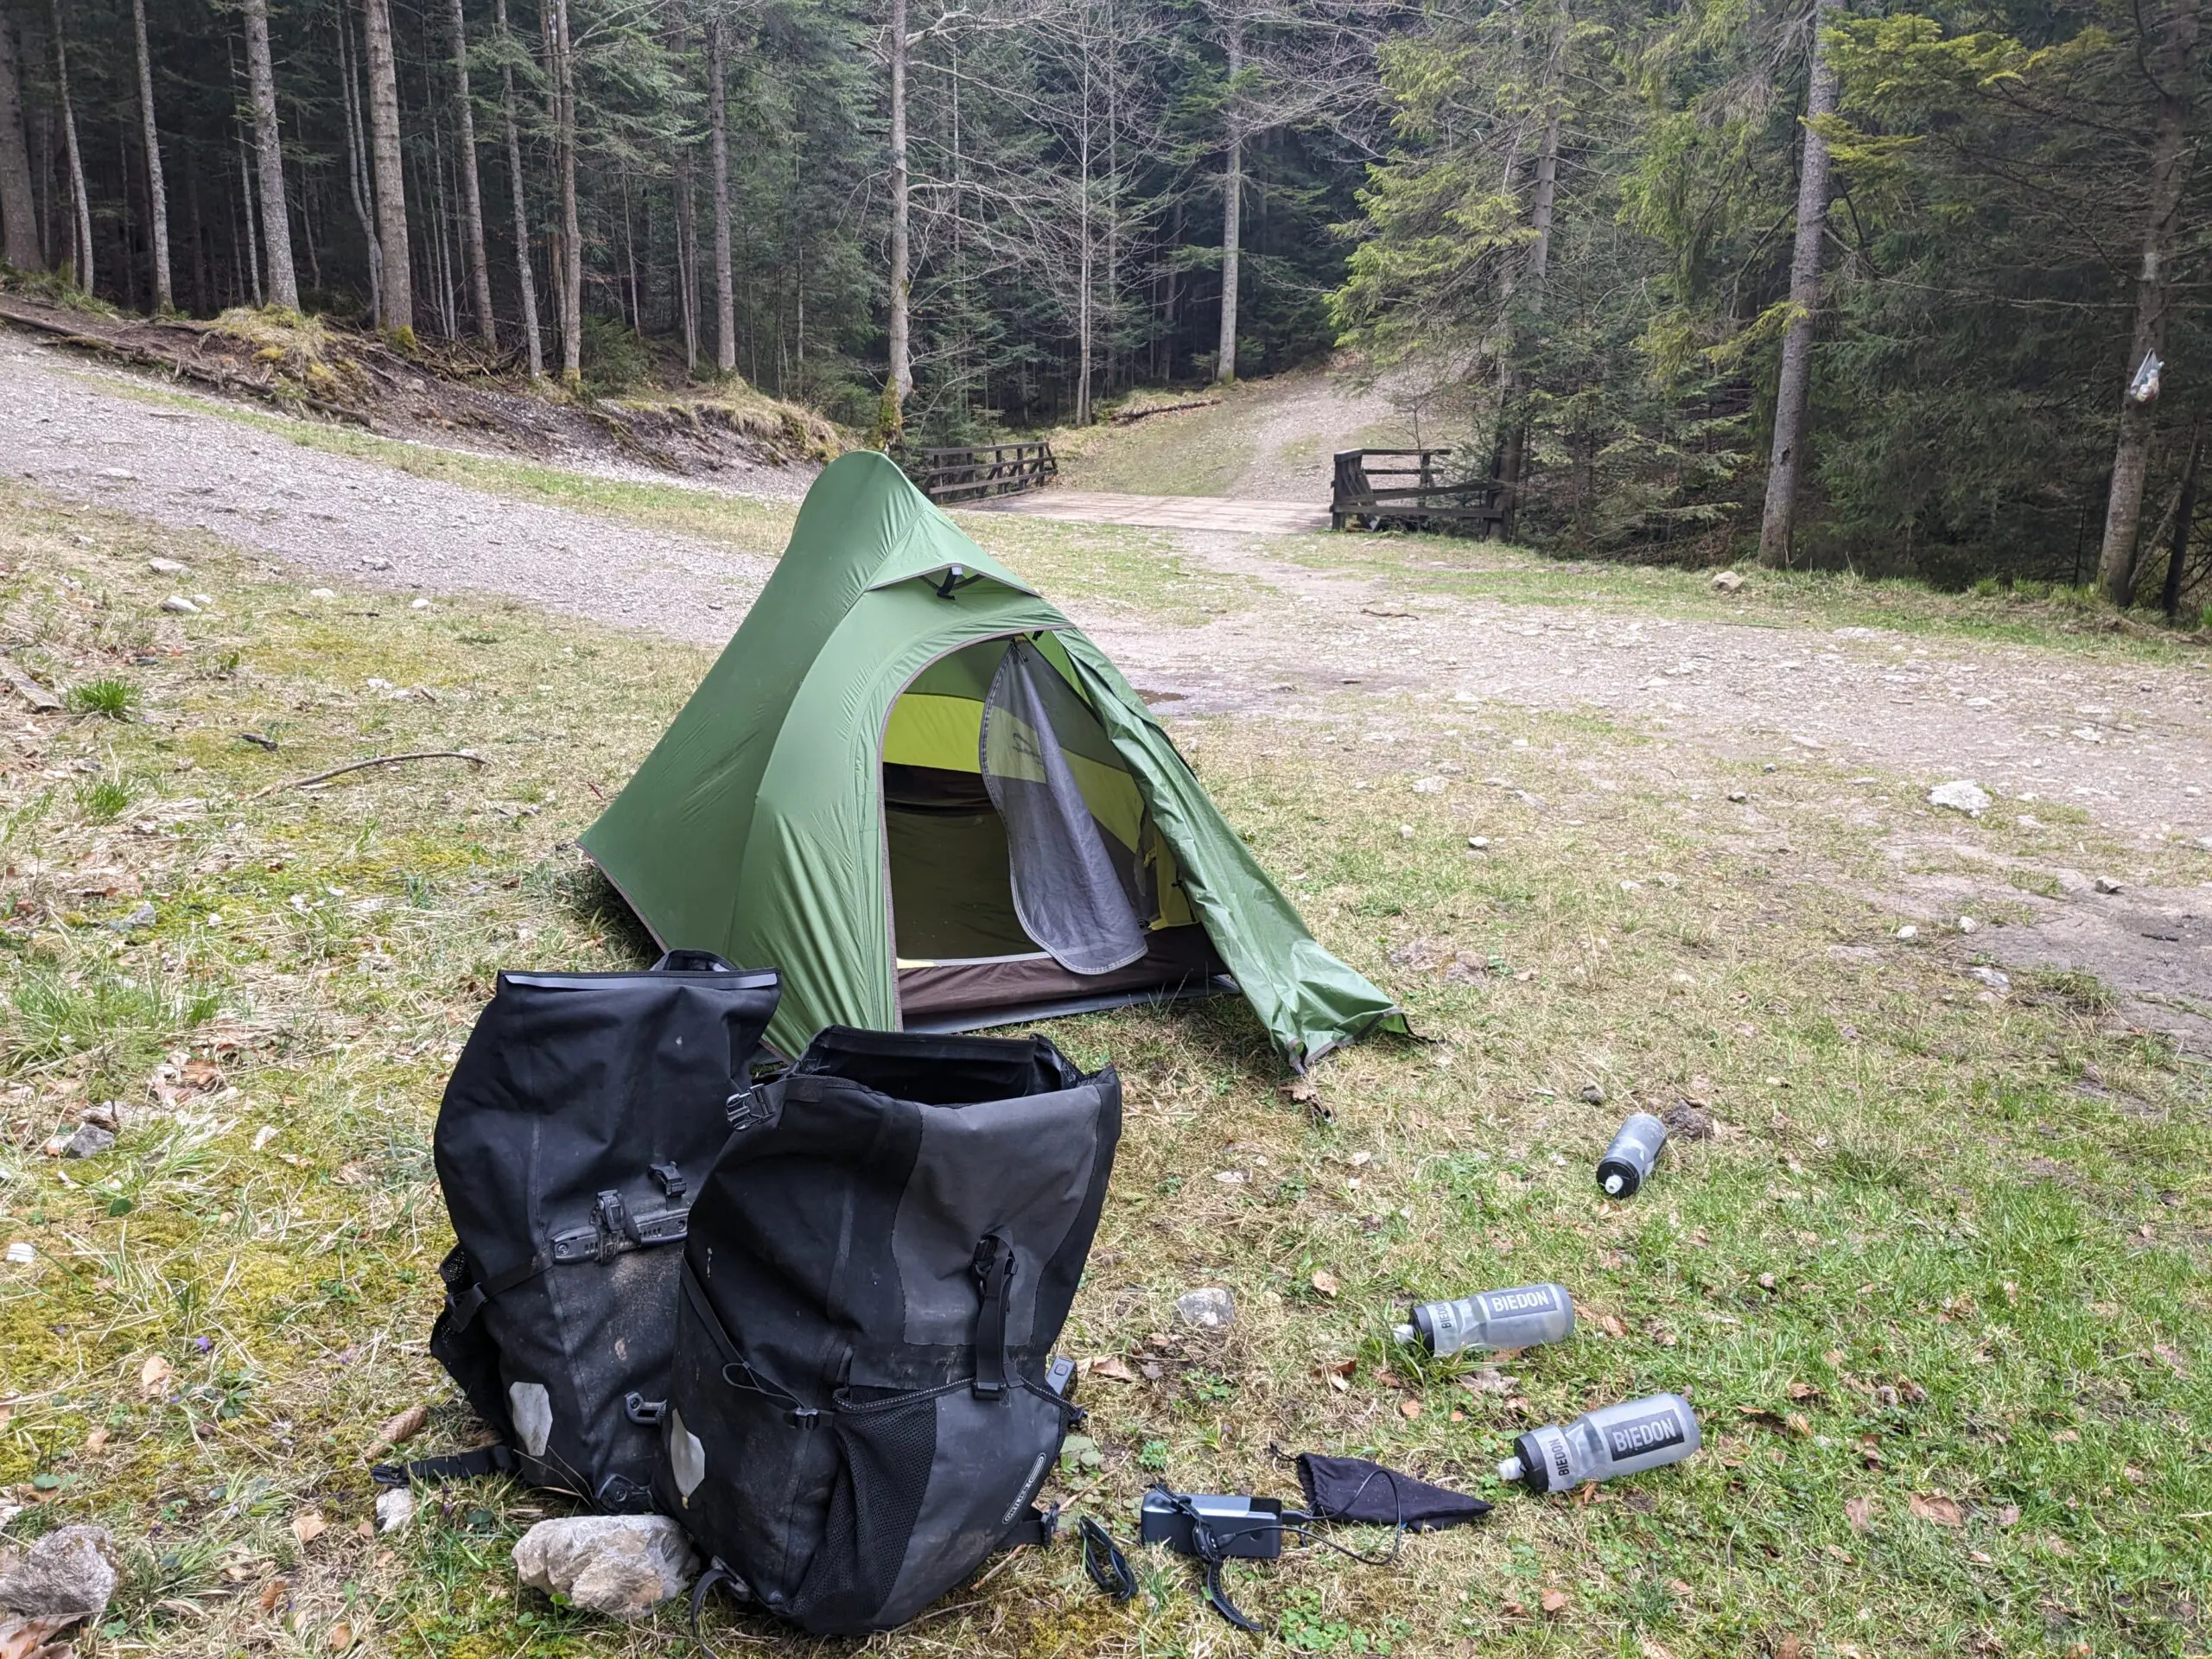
1073	896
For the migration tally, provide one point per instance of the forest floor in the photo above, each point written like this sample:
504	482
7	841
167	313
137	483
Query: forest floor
1937	1281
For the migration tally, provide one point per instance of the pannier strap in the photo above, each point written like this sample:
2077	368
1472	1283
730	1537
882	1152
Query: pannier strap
434	1472
465	1303
716	1574
993	1268
1038	1526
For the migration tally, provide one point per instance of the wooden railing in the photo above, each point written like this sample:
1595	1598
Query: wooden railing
1406	489
983	470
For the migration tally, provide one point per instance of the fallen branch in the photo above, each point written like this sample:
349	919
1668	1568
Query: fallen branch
1127	416
473	759
41	700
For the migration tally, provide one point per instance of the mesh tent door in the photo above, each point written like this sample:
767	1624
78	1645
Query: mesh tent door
1068	890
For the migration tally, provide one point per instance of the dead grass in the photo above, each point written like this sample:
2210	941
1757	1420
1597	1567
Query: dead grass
1926	1252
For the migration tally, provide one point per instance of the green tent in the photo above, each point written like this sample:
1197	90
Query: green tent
915	787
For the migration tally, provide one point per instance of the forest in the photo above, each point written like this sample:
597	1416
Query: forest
1894	290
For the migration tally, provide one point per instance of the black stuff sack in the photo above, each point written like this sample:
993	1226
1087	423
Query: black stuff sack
579	1121
862	1408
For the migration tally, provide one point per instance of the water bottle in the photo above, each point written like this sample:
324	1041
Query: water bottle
1602	1445
1627	1163
1520	1318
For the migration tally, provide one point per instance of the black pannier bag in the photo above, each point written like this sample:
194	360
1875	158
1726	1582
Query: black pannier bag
579	1121
879	1263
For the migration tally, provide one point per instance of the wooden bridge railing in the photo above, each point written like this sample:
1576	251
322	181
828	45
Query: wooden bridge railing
984	470
1404	489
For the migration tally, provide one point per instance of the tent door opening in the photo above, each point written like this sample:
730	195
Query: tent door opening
1007	816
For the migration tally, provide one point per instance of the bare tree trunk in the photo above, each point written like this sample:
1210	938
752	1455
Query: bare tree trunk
1084	251
570	273
80	202
1529	290
276	217
1793	391
1232	212
899	384
251	283
2172	74
19	227
718	148
687	256
2185	519
157	201
396	306
472	189
534	345
357	169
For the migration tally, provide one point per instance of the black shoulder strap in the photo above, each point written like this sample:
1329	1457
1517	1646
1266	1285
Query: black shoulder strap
497	1459
994	1269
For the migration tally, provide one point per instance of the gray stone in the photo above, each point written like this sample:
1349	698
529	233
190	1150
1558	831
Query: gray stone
394	1509
89	1142
144	916
1726	581
165	567
68	1572
623	1566
178	605
1959	795
2106	884
1211	1308
1594	1093
1996	978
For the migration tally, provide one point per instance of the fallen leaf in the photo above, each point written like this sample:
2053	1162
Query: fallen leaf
1410	1409
2008	1515
366	1529
154	1375
308	1526
1113	1369
1804	1391
1789	1647
272	1594
1610	1325
1938	1509
1799	1426
1860	1512
23	1638
1301	1091
1650	1650
1325	1281
96	1442
1338	1384
1387	1379
1680	1589
404	1428
1555	1601
1339	1367
1514	1610
342	1636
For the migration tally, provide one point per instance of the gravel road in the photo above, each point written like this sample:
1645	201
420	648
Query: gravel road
67	429
2129	744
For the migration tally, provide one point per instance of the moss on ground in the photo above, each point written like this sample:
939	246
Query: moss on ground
1938	1281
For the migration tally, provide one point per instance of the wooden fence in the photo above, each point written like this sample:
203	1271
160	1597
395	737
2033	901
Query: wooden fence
984	470
1405	489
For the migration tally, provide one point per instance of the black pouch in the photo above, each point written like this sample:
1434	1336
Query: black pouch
577	1127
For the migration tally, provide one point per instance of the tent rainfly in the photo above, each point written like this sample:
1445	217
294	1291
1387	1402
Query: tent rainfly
915	787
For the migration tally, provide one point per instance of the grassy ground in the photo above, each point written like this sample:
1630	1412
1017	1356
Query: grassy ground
1936	1281
2075	619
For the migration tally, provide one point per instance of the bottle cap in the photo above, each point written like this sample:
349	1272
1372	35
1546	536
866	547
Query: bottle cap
1511	1470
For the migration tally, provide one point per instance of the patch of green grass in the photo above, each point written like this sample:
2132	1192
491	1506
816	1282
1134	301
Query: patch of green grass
102	798
1919	1259
2024	614
109	698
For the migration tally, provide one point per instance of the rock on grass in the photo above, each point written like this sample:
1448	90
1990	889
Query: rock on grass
70	1571
623	1566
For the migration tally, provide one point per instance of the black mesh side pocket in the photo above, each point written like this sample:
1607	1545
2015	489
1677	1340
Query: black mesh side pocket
888	1443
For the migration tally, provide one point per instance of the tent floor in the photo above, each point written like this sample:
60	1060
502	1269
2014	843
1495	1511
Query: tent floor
984	1019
